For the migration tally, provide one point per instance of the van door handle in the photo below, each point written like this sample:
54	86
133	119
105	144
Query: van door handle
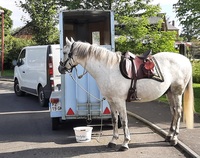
23	71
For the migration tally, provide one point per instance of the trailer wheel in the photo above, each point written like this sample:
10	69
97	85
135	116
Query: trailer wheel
55	123
17	90
41	96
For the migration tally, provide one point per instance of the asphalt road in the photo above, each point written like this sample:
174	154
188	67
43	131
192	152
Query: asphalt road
25	131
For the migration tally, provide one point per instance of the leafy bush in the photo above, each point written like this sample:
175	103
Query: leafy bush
196	71
13	47
197	97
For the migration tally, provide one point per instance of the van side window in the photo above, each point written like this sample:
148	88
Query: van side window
21	58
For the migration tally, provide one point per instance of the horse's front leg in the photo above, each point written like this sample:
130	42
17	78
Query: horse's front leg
114	113
124	121
119	108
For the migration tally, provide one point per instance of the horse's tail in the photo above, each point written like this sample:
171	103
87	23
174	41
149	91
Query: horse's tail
188	105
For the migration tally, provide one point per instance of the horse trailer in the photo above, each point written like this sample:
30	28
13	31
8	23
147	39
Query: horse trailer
81	98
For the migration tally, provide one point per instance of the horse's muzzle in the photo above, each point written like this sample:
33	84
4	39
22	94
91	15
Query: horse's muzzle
61	69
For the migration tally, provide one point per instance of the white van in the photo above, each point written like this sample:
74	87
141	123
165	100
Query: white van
36	72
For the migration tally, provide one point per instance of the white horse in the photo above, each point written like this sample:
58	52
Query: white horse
103	65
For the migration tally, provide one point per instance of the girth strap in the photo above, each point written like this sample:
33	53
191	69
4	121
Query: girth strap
132	93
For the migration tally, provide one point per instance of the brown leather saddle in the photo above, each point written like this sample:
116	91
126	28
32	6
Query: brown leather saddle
138	67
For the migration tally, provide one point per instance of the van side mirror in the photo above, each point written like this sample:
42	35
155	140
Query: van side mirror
14	62
17	62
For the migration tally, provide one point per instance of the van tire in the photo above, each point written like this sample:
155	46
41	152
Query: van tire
41	96
17	90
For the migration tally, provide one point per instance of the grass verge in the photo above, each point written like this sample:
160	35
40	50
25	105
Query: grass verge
8	73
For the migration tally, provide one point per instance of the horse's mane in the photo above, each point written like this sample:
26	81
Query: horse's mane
86	50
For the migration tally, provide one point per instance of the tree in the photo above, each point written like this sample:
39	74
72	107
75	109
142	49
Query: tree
12	45
43	19
86	4
7	21
188	13
13	48
136	33
43	15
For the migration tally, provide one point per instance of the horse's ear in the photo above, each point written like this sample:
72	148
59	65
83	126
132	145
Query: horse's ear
72	40
67	41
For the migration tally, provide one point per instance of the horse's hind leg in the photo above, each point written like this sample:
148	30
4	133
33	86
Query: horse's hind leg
176	109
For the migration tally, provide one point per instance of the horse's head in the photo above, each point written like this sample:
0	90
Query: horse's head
68	62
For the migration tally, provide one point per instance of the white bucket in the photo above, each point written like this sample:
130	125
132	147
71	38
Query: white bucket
83	134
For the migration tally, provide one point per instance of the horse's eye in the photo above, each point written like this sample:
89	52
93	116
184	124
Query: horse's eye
64	52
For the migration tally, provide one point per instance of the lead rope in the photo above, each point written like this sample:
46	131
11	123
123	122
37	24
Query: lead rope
101	100
80	76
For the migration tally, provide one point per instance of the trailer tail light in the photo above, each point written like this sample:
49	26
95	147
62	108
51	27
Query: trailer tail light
54	100
106	111
70	112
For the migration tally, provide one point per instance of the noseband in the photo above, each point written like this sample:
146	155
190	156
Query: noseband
70	57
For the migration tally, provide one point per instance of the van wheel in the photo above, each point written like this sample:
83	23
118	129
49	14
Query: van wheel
17	90
41	96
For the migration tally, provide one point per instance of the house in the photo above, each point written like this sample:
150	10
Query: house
25	32
166	25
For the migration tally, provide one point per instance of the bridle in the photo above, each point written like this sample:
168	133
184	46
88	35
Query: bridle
70	57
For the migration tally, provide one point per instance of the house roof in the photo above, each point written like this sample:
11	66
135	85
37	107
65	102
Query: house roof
171	27
21	29
155	19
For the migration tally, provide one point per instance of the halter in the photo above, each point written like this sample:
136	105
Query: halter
70	57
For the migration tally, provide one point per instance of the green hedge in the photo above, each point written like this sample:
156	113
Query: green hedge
196	71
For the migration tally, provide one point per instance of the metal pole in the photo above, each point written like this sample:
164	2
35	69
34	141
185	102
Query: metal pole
2	44
2	41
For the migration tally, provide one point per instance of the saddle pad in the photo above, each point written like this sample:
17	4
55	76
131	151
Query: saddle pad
137	68
157	74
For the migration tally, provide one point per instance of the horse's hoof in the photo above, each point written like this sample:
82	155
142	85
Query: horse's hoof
173	142
167	138
123	148
111	145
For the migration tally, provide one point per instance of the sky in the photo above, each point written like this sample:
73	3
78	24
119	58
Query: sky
17	13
